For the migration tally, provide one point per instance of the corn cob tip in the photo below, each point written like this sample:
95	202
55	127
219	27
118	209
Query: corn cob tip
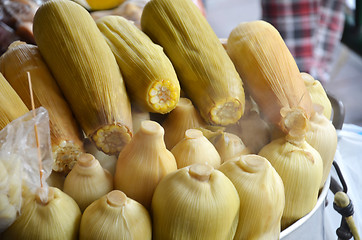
116	198
163	96
111	138
86	160
201	172
226	112
44	196
65	156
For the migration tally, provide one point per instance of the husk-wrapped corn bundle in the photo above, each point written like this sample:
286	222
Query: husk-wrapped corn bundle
10	195
87	181
115	216
261	193
149	75
268	69
66	136
318	94
86	71
108	162
57	218
195	202
322	136
229	146
183	117
8	213
204	70
299	165
195	148
11	106
143	163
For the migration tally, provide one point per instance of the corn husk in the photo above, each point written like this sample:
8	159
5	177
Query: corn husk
318	94
12	106
87	181
131	10
57	218
108	162
322	136
299	165
261	193
143	163
9	203
66	135
86	71
207	76
268	69
115	216
183	117
229	146
149	75
195	148
195	202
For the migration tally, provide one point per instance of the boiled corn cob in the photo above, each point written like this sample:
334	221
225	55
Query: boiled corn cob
268	69
66	136
86	71
11	106
205	72
149	75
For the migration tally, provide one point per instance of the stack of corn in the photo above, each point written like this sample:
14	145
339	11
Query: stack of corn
189	181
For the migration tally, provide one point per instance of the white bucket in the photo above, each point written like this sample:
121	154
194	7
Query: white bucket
311	226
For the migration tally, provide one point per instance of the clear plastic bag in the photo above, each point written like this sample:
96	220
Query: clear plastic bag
19	164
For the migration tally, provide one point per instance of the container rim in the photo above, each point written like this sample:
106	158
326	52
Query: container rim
321	199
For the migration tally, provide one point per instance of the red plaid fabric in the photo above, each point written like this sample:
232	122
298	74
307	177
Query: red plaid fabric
311	29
